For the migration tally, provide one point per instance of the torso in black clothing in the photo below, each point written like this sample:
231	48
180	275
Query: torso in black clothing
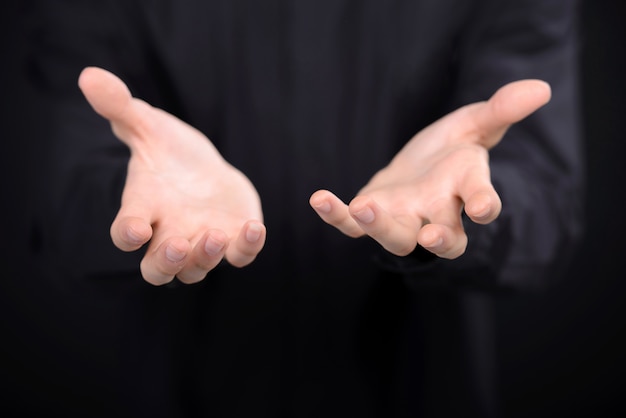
299	95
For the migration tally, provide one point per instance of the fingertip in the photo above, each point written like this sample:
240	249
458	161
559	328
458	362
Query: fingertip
517	100
160	266
318	195
205	256
157	282
335	213
364	215
442	241
319	201
255	232
92	78
174	255
247	245
153	277
483	208
85	77
530	86
106	93
538	92
215	243
430	238
541	89
130	234
361	208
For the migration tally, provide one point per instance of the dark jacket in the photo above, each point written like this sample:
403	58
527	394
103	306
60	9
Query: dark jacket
299	95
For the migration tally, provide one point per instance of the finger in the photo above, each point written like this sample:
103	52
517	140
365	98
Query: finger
111	99
483	207
444	235
510	104
160	265
442	240
247	245
129	233
132	226
105	92
205	256
398	235
481	201
335	213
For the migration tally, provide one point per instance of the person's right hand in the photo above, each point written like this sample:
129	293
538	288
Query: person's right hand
181	197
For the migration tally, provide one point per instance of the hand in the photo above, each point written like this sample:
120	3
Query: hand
180	195
419	197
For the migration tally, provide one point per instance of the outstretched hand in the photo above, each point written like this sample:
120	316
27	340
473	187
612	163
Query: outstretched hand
181	197
419	197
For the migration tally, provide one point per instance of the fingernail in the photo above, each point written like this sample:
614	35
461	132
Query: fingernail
253	233
324	207
212	246
174	255
365	215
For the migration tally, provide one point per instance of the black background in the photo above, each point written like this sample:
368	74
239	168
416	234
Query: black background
562	351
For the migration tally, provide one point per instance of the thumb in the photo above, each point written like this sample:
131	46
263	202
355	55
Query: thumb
510	104
109	97
105	92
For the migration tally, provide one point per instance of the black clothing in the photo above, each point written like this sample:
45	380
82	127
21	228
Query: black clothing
299	95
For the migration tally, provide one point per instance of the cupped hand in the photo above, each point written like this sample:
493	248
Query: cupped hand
181	197
419	197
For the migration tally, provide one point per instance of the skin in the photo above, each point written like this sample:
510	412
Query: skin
181	197
444	169
192	208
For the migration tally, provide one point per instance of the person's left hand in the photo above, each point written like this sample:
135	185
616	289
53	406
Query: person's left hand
419	197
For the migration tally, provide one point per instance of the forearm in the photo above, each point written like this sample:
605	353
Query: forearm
83	169
537	168
81	181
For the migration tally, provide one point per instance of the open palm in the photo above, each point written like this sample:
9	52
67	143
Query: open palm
181	197
419	197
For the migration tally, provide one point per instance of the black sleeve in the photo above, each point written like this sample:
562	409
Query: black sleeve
537	168
83	166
